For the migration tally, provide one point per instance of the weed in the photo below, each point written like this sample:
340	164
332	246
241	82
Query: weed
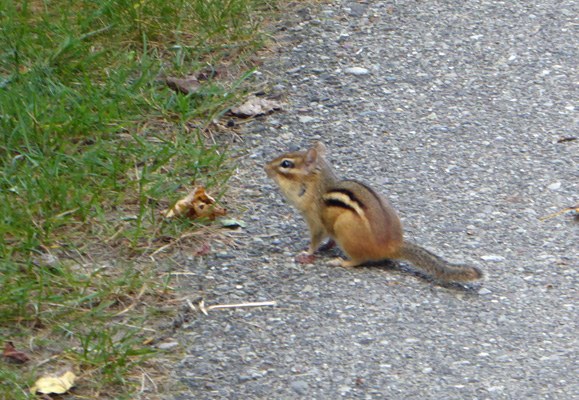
92	146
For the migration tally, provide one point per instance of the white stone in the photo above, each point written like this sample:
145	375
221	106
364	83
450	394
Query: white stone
304	119
493	257
356	71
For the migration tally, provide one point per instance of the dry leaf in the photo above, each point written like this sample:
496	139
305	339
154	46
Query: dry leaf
256	106
184	86
14	354
196	204
53	384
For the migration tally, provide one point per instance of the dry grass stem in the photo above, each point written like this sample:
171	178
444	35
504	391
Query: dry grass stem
238	305
574	208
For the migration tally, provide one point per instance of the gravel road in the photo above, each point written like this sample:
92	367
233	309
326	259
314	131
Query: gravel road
463	113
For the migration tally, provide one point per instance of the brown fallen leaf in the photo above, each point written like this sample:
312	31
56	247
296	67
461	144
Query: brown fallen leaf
54	384
196	204
256	106
14	354
184	86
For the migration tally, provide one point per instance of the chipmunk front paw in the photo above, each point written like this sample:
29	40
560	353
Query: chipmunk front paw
305	258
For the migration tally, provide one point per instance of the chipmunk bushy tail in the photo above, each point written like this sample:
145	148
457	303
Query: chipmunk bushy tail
433	265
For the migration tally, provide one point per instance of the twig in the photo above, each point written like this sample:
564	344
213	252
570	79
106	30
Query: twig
184	236
143	376
574	208
191	306
124	324
176	273
135	301
142	384
239	305
49	359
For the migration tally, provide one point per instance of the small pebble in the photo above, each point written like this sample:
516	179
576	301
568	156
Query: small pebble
224	255
356	71
345	389
492	257
300	387
294	70
168	345
48	259
304	119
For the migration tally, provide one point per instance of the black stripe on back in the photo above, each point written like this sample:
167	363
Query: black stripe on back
350	195
338	203
369	189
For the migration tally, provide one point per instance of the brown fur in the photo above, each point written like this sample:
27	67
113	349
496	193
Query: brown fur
361	221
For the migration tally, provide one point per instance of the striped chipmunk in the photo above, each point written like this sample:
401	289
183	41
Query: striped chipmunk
358	219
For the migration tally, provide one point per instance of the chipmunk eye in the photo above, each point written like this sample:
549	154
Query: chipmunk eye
287	164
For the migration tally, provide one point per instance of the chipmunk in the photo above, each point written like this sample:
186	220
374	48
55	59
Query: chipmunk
358	219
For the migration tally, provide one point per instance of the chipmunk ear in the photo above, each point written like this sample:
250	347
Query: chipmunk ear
311	158
320	148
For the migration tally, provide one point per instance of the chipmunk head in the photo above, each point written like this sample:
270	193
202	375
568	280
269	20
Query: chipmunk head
295	166
299	172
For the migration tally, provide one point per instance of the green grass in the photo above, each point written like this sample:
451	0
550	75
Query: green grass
93	145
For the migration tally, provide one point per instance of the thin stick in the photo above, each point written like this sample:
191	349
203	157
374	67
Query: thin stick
184	236
239	305
191	306
134	302
575	208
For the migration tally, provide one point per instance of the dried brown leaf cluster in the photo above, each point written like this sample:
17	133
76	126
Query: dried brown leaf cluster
197	204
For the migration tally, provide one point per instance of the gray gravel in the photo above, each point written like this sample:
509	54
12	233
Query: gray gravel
454	110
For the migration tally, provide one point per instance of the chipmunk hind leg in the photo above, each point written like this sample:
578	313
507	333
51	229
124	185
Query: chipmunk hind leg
354	236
